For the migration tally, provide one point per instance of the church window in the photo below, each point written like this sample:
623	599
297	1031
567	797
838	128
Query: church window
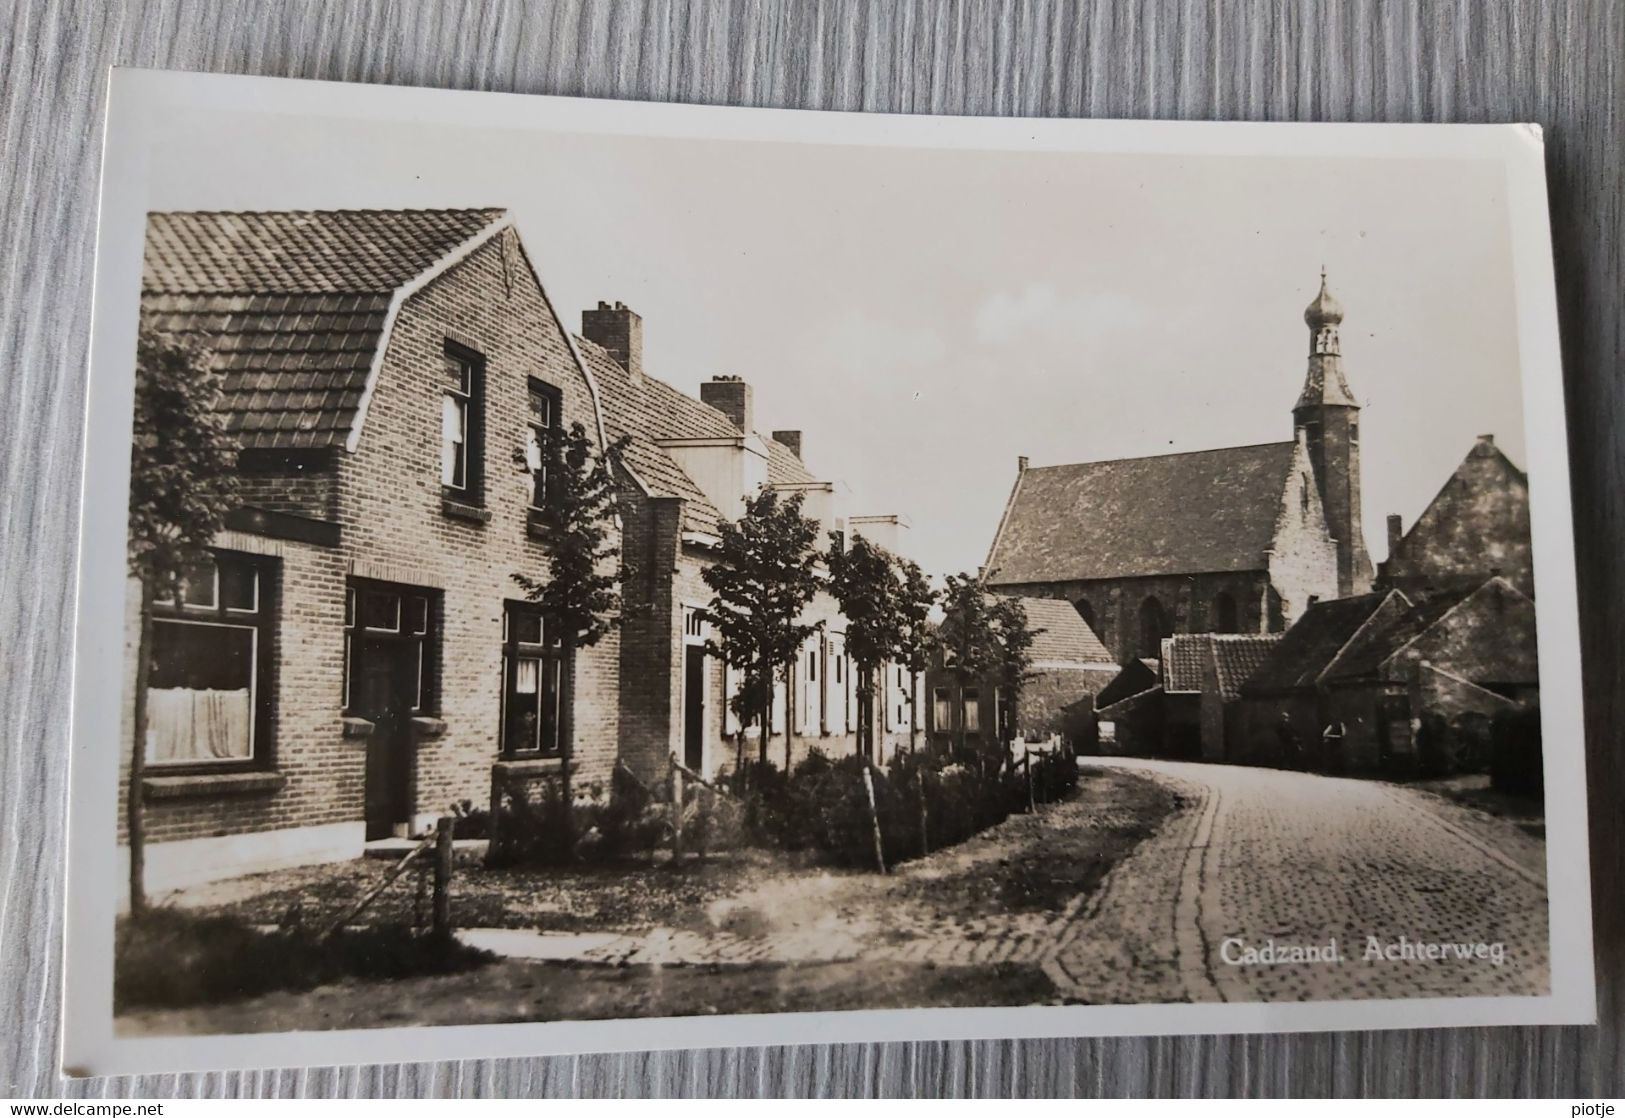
1224	613
1303	495
1153	627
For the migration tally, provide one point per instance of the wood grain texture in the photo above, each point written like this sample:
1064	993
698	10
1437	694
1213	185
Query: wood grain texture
1549	61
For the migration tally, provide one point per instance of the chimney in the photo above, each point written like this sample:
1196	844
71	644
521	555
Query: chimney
791	439
1021	464
1488	439
619	329
731	397
1395	532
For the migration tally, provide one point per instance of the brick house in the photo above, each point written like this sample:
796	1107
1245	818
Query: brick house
1185	704
690	465
1475	527
1349	686
1232	540
1069	666
355	658
1201	676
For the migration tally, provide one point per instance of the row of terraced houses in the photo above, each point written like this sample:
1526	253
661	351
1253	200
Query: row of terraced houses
356	656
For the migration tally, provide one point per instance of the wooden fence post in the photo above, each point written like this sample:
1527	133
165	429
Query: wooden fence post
493	839
874	819
444	835
676	812
925	840
1027	763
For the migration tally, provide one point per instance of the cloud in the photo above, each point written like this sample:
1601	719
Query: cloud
1038	310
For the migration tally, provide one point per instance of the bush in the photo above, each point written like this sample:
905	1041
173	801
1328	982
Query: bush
168	958
823	806
626	823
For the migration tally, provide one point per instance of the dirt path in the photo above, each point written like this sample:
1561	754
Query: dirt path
963	926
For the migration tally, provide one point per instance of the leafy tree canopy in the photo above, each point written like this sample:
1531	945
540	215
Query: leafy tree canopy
580	597
865	582
763	578
183	461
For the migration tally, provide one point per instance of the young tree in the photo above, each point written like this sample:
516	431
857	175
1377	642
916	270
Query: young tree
182	478
580	598
1013	642
916	635
762	580
865	582
969	651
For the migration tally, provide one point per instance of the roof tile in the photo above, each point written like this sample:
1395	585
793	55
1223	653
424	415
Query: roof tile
292	304
1207	510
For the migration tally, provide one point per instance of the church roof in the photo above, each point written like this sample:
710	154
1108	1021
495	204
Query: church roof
1205	510
1324	384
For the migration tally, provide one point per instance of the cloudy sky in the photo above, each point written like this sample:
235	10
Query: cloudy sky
925	316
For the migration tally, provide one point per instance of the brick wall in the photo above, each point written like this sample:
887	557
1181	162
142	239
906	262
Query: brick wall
387	499
1303	558
1189	603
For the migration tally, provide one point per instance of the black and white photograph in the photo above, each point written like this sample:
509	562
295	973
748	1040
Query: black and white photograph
570	575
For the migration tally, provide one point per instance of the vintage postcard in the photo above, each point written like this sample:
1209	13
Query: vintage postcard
565	575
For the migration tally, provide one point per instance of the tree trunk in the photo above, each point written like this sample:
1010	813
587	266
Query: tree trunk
958	718
766	685
865	728
567	743
135	808
913	707
790	708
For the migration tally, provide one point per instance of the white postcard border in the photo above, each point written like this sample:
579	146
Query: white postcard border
139	101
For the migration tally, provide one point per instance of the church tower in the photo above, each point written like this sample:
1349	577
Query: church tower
1328	418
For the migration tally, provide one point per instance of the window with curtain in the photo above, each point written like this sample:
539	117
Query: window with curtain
210	666
462	423
942	710
532	672
541	439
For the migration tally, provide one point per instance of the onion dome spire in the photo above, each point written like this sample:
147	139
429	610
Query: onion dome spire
1324	383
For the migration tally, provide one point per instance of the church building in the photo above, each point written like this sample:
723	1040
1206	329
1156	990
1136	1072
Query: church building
1233	540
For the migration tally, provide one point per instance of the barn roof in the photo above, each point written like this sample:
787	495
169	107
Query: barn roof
1317	638
1062	636
1234	657
1206	510
294	305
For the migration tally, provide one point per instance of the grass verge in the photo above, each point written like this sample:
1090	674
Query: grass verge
168	958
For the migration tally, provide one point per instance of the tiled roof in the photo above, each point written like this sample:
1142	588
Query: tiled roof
301	252
292	305
1238	658
1234	658
1063	636
1184	661
1315	639
783	466
650	409
1366	653
1136	678
1209	510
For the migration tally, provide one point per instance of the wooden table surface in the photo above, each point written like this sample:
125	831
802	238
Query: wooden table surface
1550	61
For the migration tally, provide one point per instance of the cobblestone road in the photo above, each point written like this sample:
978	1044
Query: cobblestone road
1254	857
1300	859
